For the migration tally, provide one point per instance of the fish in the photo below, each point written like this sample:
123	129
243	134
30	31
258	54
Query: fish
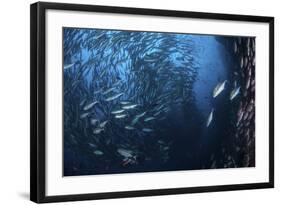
210	118
117	111
125	153
160	87
134	121
157	113
84	115
102	73
89	106
147	130
94	121
166	148
114	97
245	115
98	130
82	102
166	110
239	116
116	83
149	119
120	116
141	115
98	152
98	91
219	88
102	125
250	72
124	102
250	107
160	107
108	91
129	127
161	142
137	117
149	60
234	93
127	107
248	83
241	63
92	145
68	66
127	161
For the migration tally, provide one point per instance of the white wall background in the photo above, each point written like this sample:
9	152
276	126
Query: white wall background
14	100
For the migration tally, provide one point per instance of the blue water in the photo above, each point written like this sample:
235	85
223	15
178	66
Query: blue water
212	70
169	78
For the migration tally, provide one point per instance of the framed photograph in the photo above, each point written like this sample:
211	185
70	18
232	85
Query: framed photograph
129	102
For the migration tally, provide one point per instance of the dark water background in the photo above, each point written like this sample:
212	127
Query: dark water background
175	73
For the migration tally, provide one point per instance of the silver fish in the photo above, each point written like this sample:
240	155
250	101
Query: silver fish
124	102
219	88
98	152
120	116
141	115
102	73
137	117
125	153
127	107
166	110
94	121
241	62
239	116
129	127
117	111
108	91
116	83
97	131
89	106
134	121
248	83
82	102
147	130
161	142
114	97
157	113
102	125
68	66
149	119
84	115
250	107
160	107
234	93
92	145
210	118
98	91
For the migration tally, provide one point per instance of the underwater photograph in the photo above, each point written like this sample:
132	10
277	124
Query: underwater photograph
143	101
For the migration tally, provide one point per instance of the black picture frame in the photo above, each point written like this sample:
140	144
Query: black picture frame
38	101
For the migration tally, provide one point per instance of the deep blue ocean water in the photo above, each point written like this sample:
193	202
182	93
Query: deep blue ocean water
168	80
